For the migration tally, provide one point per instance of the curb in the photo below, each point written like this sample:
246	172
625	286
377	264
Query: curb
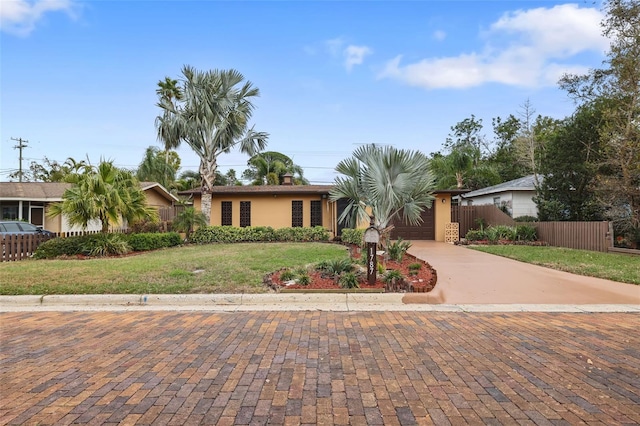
344	302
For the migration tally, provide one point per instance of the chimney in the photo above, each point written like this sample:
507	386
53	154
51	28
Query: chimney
287	179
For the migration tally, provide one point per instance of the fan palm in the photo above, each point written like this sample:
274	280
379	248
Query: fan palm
383	182
104	193
212	118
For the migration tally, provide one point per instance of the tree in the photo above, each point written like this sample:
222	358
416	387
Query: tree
188	219
51	170
504	157
104	193
169	92
384	182
212	118
155	167
569	167
269	168
617	86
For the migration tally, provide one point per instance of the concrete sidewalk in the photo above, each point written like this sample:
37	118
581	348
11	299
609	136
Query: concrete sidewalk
336	302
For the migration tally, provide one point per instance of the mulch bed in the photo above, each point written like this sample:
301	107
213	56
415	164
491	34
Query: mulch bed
421	282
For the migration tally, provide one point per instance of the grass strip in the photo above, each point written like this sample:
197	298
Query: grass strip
611	266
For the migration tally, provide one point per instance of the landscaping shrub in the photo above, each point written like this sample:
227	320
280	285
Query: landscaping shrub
476	235
397	249
58	247
349	280
304	279
335	267
526	233
353	236
501	232
106	245
230	234
153	241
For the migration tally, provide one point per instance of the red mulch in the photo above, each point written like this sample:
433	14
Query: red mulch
424	281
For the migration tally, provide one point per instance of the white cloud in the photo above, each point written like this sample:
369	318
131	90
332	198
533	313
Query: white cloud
538	50
19	17
439	35
354	55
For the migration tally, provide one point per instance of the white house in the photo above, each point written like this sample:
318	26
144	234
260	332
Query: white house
516	195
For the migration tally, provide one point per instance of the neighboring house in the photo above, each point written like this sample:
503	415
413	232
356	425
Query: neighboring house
516	195
30	201
281	206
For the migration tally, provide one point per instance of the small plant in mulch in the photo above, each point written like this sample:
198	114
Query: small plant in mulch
349	280
408	274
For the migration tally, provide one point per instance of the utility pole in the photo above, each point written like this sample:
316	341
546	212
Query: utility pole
21	144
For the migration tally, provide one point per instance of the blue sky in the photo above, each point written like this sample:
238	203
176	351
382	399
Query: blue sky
78	78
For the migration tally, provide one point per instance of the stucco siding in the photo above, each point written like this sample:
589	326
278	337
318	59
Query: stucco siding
270	210
442	214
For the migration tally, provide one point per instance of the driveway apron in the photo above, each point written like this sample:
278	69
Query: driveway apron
467	276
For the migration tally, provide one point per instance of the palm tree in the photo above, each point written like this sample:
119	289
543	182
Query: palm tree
188	219
385	183
169	92
269	168
212	118
153	168
105	193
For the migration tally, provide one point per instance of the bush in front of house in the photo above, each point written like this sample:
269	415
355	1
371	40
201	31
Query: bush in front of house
105	244
522	233
153	241
86	245
353	236
231	234
476	235
526	218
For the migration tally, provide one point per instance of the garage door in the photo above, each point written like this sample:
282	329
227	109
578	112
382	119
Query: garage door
425	231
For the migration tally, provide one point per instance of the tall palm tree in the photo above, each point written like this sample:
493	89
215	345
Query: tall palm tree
213	118
168	92
384	182
105	193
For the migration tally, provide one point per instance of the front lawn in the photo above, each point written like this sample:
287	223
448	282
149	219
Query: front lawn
209	268
611	266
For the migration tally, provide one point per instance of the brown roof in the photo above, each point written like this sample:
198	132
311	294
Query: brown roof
264	189
53	191
33	190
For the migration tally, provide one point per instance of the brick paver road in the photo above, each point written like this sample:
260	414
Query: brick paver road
319	368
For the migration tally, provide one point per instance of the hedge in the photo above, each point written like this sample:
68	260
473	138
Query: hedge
93	244
231	234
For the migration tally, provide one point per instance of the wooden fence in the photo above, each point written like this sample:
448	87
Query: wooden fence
594	236
20	246
168	214
468	217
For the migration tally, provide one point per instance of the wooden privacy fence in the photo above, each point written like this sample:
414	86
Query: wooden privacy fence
168	214
467	217
594	236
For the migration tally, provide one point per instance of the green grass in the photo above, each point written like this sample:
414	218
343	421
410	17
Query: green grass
612	266
211	268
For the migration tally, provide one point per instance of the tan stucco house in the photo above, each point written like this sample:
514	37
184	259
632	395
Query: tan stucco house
30	201
281	206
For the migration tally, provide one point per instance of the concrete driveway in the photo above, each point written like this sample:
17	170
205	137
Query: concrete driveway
469	276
